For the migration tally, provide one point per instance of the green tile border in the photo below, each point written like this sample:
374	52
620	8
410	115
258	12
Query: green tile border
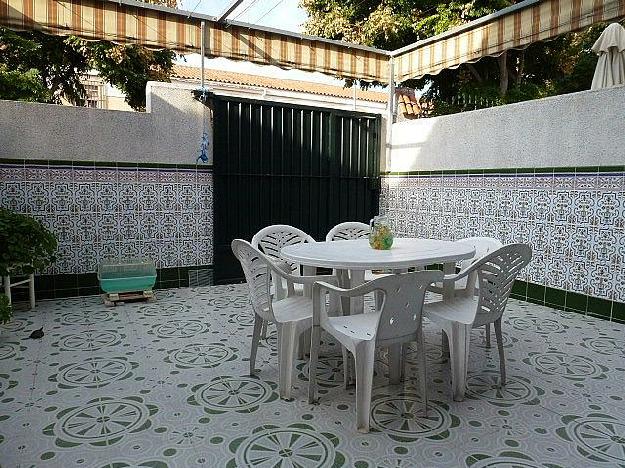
86	284
555	297
512	170
107	164
618	312
569	301
61	286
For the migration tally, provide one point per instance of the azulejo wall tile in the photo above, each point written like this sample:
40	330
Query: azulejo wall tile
127	175
11	173
128	196
38	197
13	193
63	226
83	174
101	213
574	222
36	173
84	196
62	196
106	175
586	181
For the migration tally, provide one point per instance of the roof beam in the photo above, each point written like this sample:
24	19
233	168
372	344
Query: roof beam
222	17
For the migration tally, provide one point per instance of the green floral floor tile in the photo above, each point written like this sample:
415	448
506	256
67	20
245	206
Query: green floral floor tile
165	384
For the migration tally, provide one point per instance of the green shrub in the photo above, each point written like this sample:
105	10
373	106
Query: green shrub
27	246
6	311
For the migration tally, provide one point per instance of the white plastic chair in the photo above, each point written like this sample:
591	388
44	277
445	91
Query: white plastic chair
467	286
483	246
271	240
348	231
352	230
397	320
292	315
496	273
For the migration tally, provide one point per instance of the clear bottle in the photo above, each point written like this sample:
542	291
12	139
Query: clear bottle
381	235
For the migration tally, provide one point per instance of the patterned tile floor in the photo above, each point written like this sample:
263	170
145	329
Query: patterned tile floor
164	384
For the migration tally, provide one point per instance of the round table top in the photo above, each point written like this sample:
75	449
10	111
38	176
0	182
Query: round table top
358	255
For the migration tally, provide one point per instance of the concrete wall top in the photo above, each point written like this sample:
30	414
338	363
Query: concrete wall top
169	132
579	129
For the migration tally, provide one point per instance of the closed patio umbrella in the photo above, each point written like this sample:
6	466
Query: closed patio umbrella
610	47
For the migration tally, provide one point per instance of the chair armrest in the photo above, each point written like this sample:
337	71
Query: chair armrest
282	265
328	279
458	276
276	268
361	290
319	300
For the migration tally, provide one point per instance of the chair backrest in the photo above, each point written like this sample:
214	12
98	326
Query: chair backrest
348	231
257	275
482	246
496	273
271	239
402	304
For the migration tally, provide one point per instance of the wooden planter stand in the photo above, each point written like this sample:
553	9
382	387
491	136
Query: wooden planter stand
25	283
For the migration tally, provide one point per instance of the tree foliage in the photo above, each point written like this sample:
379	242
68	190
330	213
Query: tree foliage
6	311
27	245
563	65
38	67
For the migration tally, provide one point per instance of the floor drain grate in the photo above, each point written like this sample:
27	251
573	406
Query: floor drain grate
200	278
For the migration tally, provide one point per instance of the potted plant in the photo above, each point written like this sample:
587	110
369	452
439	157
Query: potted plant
27	246
6	311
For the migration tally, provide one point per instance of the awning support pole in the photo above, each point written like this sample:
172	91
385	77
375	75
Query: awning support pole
203	50
390	115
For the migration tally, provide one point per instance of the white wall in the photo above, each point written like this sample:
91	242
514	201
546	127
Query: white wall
170	132
580	129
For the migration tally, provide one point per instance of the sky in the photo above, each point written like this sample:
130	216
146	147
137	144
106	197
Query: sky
280	14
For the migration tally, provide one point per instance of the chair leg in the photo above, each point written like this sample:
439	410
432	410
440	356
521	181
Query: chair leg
31	290
459	356
258	324
444	344
7	287
315	343
394	363
303	347
404	360
502	358
488	335
346	367
422	369
364	356
286	355
263	330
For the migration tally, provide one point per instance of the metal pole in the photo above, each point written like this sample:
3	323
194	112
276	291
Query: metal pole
222	17
390	115
203	50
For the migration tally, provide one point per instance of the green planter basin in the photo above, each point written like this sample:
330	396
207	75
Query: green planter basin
124	278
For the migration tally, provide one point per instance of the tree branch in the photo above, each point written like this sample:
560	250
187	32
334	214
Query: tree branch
475	73
503	73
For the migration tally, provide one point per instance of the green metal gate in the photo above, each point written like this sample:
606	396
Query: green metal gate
282	164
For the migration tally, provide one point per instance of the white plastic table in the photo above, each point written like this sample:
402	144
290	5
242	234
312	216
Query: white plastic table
351	258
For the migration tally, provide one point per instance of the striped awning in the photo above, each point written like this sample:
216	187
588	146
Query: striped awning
134	23
240	42
128	21
514	27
